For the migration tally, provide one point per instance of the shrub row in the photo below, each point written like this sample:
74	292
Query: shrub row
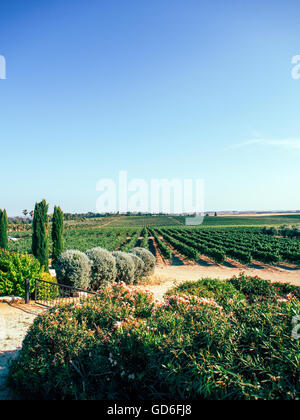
98	267
208	340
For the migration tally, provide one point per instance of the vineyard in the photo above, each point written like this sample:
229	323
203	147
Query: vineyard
242	245
225	245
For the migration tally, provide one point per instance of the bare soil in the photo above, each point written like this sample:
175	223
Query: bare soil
15	319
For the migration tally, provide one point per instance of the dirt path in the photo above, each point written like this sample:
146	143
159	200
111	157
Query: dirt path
166	277
14	323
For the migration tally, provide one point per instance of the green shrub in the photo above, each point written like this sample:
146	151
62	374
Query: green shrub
73	268
121	347
125	267
104	268
253	286
148	259
46	291
221	291
79	365
284	289
139	267
14	269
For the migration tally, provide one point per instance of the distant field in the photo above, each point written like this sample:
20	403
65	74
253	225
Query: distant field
121	232
124	221
157	221
252	220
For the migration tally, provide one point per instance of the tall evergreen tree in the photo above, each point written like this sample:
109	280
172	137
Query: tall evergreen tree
40	237
57	233
3	230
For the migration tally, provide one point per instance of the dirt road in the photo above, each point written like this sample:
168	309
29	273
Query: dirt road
14	323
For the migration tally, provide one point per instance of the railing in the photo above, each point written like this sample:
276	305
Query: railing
51	294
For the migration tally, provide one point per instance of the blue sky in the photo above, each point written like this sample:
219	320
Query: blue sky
162	89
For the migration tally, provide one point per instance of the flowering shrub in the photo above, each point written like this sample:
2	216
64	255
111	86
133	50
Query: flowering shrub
148	259
104	268
122	345
222	292
253	287
73	268
125	267
14	269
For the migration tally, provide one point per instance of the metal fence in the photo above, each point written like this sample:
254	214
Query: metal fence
50	294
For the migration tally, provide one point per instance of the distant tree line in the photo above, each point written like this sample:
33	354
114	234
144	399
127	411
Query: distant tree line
292	232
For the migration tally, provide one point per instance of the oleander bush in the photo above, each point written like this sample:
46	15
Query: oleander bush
15	268
125	267
73	268
148	259
124	346
223	292
253	287
103	268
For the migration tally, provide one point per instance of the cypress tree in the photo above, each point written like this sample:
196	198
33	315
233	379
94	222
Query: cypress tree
40	240
3	230
57	233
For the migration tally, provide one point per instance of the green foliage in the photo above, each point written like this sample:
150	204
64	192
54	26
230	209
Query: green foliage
223	292
125	267
47	291
253	287
145	240
57	234
243	256
79	363
121	346
103	269
266	257
3	230
164	249
242	244
148	259
14	269
40	245
73	268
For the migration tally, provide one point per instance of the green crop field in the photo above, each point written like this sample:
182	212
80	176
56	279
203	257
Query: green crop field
218	238
275	220
146	221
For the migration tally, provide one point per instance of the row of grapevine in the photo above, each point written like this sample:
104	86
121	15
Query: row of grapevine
239	245
184	249
164	249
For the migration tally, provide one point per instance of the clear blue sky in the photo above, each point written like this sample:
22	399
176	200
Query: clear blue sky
160	88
